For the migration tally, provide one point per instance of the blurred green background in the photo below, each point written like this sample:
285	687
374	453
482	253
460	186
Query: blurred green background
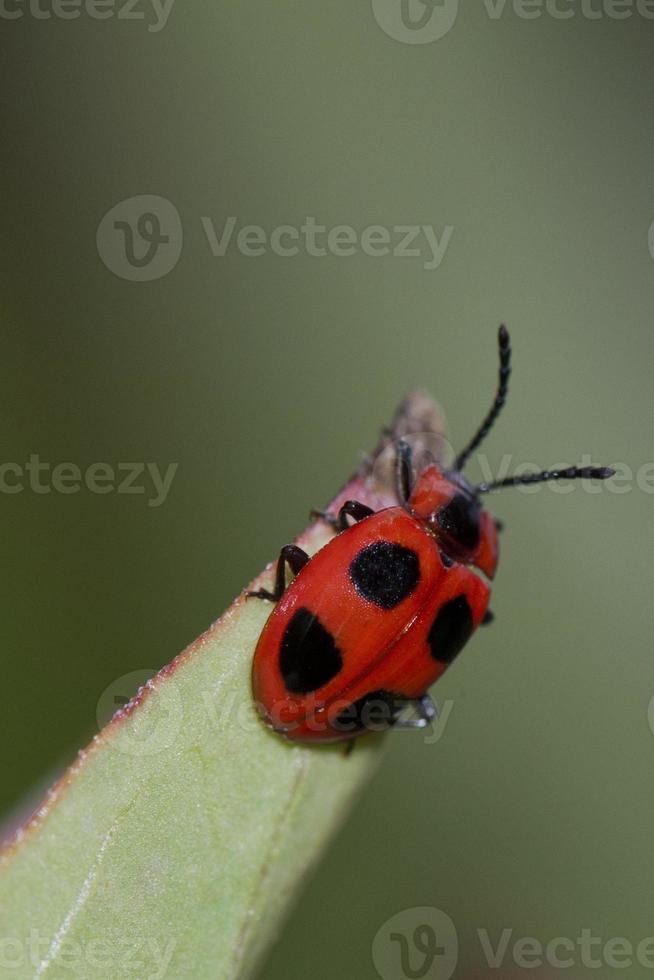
265	377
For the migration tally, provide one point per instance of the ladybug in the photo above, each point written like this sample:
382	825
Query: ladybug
380	612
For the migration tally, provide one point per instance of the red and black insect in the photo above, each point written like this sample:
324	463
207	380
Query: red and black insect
378	614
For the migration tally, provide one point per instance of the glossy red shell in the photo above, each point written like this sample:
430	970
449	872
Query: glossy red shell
380	648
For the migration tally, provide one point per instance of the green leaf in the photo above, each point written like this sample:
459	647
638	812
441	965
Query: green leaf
175	842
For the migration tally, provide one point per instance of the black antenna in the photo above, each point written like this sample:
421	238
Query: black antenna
572	473
504	342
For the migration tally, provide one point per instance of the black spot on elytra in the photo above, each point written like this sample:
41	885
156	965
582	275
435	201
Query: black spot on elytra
385	573
450	630
308	657
460	521
372	712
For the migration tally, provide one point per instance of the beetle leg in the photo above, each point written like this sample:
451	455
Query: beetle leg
355	510
351	508
426	710
403	472
290	555
488	618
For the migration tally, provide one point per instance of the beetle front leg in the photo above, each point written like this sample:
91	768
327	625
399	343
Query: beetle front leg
426	710
290	555
403	472
351	508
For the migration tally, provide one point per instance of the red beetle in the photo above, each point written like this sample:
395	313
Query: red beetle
378	614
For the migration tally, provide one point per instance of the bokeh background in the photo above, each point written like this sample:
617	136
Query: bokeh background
265	377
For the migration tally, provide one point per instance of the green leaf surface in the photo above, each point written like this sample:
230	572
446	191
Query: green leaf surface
177	839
